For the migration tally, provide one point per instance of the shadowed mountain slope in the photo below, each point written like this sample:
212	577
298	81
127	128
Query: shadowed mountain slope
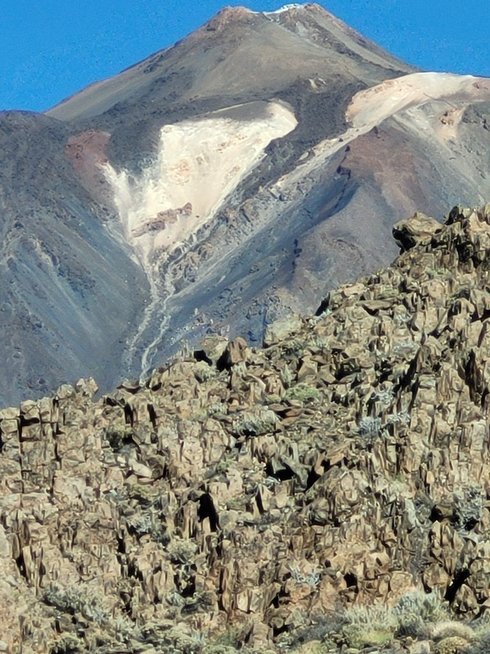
58	261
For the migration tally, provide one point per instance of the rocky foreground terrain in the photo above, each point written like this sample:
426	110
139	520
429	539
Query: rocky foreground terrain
260	498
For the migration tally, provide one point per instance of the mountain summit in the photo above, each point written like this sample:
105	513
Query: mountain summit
236	56
215	186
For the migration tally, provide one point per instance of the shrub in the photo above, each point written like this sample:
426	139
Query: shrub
416	609
481	644
175	639
67	644
181	550
203	372
293	347
302	393
73	599
384	397
369	626
255	423
148	523
216	409
399	418
451	645
468	505
369	427
219	649
147	496
76	599
405	348
311	578
324	628
451	629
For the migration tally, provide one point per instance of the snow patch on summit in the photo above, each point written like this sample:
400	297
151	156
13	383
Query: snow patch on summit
284	8
281	10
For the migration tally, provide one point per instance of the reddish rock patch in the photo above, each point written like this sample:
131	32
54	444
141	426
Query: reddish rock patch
87	153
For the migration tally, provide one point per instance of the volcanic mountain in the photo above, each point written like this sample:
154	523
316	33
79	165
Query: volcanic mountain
215	186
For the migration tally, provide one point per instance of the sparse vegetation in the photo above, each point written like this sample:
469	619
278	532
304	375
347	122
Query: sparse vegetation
385	397
369	626
254	423
398	418
311	577
416	610
417	615
204	372
148	523
468	507
119	438
369	427
80	603
181	550
302	393
246	498
68	644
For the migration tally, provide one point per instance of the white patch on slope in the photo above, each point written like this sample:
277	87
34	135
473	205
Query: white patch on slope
392	96
198	164
201	161
371	107
283	9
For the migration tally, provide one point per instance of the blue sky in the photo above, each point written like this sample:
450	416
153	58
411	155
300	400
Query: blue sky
51	48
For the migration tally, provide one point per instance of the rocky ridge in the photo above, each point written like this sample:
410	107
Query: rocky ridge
258	492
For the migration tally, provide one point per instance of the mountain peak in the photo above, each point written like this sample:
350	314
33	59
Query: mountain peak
287	7
240	9
226	16
231	13
296	7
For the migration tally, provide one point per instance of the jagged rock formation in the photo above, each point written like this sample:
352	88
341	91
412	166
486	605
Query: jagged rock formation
220	183
346	462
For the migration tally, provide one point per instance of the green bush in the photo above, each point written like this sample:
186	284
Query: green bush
67	644
255	423
369	626
415	611
302	393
